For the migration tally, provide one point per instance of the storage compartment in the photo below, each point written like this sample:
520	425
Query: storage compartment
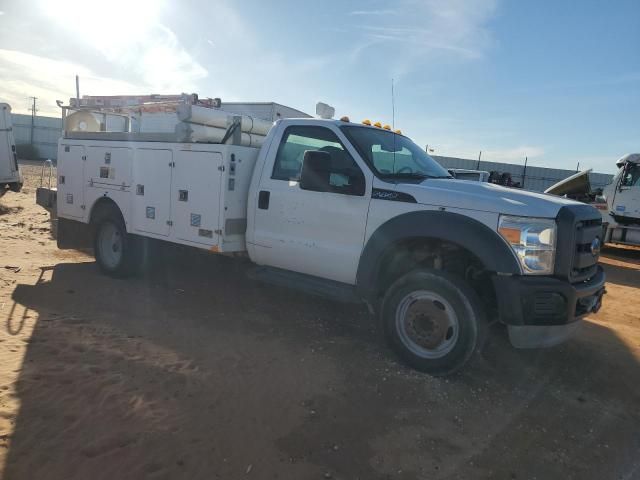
239	164
109	166
191	194
71	181
195	196
151	191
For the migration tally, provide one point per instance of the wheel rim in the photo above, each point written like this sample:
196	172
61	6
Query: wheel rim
427	324
110	245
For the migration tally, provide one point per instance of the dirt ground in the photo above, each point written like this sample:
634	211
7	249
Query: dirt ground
195	371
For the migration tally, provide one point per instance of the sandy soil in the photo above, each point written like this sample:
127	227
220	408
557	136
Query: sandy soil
194	371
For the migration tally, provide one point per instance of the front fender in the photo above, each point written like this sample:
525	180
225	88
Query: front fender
474	236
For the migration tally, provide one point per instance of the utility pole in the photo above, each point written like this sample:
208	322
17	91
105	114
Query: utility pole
524	172
33	116
479	157
578	167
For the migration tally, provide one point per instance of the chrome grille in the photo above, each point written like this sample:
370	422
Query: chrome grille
578	225
584	264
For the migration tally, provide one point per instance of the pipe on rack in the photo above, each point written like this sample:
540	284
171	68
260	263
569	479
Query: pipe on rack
218	118
193	132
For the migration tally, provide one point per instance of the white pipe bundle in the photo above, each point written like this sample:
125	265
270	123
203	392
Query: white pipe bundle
193	132
221	119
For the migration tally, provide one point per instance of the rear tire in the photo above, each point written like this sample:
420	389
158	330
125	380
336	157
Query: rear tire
116	251
15	187
433	321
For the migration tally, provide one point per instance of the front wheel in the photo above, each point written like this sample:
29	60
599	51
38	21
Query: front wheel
432	321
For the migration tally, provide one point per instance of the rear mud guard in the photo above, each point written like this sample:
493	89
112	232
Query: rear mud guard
74	235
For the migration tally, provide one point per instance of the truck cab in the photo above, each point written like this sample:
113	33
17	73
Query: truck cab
623	201
623	194
368	208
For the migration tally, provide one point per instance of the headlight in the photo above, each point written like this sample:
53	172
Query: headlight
533	240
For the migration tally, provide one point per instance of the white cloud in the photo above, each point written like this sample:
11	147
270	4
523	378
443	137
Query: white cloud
141	45
29	75
426	29
374	12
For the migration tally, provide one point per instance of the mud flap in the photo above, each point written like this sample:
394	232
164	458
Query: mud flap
47	198
74	235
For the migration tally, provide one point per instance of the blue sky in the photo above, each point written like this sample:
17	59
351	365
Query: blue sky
557	81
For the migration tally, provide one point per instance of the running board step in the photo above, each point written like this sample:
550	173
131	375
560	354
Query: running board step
341	292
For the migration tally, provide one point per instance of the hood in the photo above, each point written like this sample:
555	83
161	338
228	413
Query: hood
576	184
486	197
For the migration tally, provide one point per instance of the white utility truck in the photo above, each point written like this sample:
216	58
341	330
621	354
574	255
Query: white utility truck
618	202
9	172
347	210
623	201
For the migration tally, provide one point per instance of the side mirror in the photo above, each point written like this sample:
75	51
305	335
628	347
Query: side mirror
316	171
319	174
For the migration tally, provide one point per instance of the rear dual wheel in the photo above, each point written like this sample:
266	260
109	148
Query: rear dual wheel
118	253
433	321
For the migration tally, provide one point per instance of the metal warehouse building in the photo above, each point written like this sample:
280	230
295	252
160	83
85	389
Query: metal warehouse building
46	132
537	179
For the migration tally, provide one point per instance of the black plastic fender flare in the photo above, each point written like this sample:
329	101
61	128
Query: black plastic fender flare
486	244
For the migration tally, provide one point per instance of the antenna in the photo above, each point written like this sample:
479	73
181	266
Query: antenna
393	107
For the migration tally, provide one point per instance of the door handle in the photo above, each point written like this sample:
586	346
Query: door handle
263	199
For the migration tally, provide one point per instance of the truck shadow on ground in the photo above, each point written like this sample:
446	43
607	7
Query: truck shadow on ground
627	274
622	252
196	372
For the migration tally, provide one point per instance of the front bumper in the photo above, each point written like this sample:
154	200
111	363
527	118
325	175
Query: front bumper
549	302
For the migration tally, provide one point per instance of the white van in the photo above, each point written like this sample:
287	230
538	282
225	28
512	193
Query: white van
9	173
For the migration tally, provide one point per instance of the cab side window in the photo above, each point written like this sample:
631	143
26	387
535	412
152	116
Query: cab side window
632	176
298	139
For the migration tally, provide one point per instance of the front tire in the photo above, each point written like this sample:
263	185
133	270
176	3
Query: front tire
115	250
432	320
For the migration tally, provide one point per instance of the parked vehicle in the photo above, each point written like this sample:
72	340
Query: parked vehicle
578	187
10	175
623	199
350	211
472	175
618	202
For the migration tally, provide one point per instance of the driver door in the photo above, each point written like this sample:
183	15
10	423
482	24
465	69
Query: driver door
311	232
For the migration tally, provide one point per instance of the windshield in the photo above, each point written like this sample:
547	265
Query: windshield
393	155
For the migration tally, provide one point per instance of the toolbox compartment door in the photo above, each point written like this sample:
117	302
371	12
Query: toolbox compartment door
109	167
151	191
71	167
196	197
